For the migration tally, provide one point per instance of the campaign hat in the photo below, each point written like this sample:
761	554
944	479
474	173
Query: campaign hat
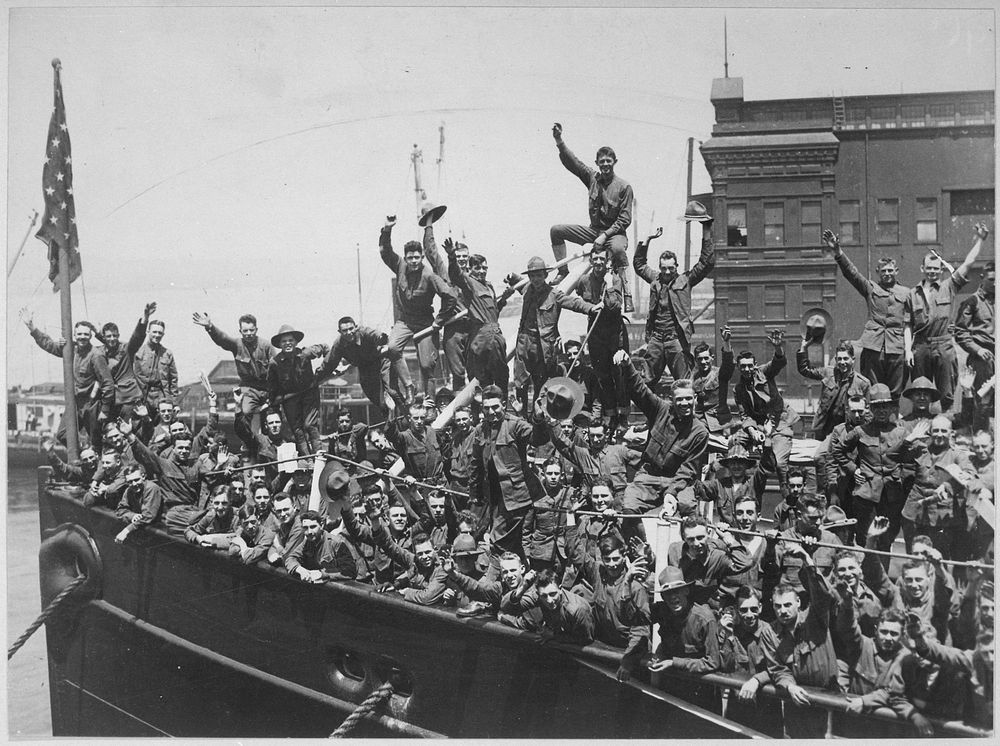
287	329
563	397
671	579
695	212
430	213
879	393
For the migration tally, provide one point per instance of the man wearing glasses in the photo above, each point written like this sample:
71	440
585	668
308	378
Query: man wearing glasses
287	528
805	533
140	504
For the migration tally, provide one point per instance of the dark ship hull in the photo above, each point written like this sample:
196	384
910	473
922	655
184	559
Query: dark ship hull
171	639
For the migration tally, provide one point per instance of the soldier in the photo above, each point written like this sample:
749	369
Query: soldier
252	356
605	334
887	338
155	368
610	207
535	358
669	327
931	307
976	334
413	292
839	382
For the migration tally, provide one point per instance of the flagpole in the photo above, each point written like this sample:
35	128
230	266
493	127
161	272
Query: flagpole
66	309
34	218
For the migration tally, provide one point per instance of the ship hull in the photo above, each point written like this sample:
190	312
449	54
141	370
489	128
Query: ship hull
177	640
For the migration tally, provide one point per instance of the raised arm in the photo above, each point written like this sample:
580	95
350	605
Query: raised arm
802	363
139	333
861	284
641	394
573	164
433	254
389	257
640	263
960	276
44	341
706	262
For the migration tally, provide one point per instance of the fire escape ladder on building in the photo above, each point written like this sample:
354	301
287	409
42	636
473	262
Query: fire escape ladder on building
839	115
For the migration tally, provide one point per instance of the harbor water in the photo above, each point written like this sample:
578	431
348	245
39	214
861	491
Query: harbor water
27	673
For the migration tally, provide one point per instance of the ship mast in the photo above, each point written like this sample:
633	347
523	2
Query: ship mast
417	156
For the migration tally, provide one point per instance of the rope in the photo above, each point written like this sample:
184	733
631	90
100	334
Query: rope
44	616
365	709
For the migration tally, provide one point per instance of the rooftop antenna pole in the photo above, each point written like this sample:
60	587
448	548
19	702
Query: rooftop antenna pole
725	44
440	160
417	156
361	304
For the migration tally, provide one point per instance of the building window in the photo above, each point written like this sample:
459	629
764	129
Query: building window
973	202
774	303
883	117
812	295
942	111
812	223
736	225
887	221
738	303
912	115
850	222
774	224
927	220
857	115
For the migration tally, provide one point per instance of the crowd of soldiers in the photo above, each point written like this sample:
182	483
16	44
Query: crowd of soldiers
527	500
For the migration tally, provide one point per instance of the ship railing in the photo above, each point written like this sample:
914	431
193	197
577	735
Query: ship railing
832	702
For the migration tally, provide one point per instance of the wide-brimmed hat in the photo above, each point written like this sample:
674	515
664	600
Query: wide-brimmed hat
835	517
737	452
878	394
464	544
695	212
536	264
366	475
816	322
563	398
333	481
287	329
671	579
303	465
430	213
444	396
922	384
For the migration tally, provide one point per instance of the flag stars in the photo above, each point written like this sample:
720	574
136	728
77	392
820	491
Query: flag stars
53	220
68	160
63	126
50	191
62	205
55	142
69	191
60	176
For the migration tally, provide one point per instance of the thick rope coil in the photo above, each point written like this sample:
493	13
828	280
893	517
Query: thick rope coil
49	610
363	710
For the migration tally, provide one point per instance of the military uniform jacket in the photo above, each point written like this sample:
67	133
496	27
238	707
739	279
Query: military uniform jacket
888	310
501	473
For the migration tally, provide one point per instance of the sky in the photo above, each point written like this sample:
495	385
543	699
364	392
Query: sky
242	159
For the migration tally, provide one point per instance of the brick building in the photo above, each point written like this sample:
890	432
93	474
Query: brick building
894	175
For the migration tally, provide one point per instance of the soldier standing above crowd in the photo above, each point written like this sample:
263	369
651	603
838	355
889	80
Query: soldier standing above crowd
931	304
413	290
887	339
156	369
610	208
252	356
669	328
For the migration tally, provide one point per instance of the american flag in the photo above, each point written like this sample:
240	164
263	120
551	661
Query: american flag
58	229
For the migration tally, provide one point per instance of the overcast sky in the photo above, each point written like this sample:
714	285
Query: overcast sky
231	159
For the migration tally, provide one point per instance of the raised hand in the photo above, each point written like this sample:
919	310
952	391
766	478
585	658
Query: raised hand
557	131
879	525
921	430
149	310
390	220
776	337
201	319
726	333
831	239
620	357
982	232
27	317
